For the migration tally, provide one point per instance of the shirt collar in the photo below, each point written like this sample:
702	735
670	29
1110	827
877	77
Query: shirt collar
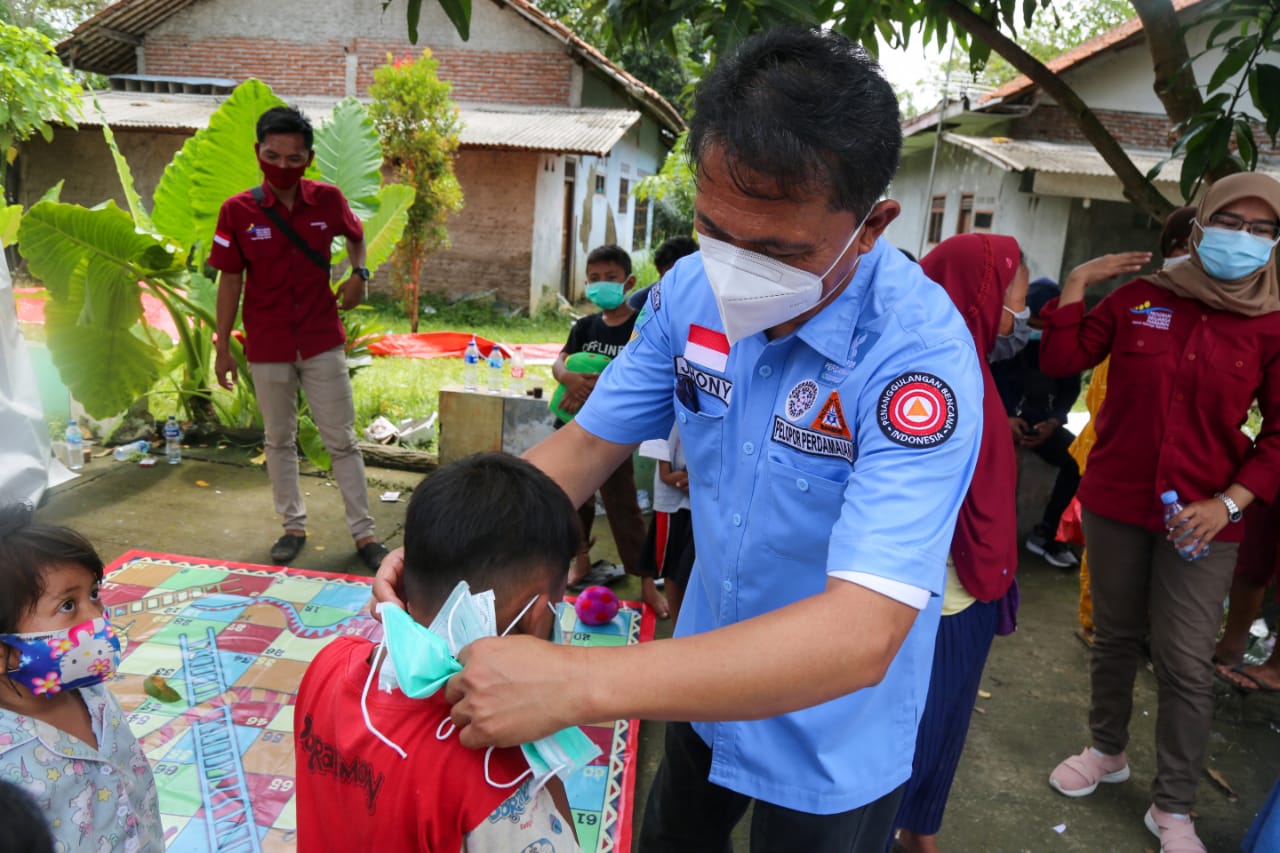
831	329
306	192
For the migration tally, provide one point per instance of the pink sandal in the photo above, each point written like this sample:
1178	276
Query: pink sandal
1176	834
1079	775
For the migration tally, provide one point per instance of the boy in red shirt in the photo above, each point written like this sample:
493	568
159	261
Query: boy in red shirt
373	763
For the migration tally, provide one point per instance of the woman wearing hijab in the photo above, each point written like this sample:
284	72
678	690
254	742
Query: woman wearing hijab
1175	247
1191	347
978	271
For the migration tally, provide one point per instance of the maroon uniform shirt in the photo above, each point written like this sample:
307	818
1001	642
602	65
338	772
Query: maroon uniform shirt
1181	381
289	308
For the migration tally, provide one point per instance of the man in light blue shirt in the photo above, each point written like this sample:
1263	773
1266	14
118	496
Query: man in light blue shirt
828	398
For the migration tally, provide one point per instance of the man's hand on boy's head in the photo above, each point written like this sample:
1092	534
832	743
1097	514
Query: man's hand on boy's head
516	689
388	583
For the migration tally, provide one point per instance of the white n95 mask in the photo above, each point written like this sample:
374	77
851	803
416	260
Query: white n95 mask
755	292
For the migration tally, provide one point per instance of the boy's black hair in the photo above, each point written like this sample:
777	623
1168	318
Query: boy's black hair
808	109
492	520
672	250
610	254
26	830
26	550
286	120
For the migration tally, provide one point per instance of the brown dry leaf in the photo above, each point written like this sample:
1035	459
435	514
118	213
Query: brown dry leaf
1221	782
983	694
202	484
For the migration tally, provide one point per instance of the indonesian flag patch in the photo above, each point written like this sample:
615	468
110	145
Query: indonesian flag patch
222	239
917	410
707	347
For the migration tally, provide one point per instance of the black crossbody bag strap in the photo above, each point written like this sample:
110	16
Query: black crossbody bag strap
287	230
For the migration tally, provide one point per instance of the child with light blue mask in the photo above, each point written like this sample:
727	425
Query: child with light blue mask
488	541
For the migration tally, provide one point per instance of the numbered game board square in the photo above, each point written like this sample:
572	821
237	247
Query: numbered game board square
271	754
254	715
288	647
115	594
586	787
274	673
195	630
143	572
349	597
153	659
588	825
294	588
172	826
248	584
283	721
186	577
248	638
179	750
194	838
136	628
233	664
582	638
602	735
269	796
288	818
179	788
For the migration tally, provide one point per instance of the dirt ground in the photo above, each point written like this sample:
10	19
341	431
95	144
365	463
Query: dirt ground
218	504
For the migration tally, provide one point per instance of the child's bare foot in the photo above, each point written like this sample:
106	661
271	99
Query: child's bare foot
654	598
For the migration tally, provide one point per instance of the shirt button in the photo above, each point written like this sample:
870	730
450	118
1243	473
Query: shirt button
1204	318
123	811
1239	364
727	586
766	370
106	770
737	520
748	448
684	419
1142	343
802	484
1191	357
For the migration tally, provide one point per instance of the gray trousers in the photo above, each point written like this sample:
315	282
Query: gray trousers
1138	580
325	381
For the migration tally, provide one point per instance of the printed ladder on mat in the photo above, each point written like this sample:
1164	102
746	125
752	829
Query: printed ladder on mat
232	641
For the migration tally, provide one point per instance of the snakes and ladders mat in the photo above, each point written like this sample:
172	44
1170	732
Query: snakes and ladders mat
212	657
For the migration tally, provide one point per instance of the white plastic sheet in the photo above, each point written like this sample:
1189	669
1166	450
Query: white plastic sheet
24	439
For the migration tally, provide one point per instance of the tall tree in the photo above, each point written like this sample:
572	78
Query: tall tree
36	90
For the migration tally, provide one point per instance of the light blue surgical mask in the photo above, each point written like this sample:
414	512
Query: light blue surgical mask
1229	255
465	617
1035	335
605	294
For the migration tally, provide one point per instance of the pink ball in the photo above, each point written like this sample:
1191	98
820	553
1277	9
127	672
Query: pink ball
596	605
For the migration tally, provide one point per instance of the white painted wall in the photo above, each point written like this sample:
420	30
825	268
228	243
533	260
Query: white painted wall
1039	223
493	26
548	222
1123	79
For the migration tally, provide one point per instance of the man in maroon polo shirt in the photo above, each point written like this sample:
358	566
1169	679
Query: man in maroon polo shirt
293	335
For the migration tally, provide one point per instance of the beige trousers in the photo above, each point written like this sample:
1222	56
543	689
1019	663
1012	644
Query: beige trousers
325	381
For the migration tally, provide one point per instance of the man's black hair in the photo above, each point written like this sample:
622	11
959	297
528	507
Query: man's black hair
26	551
610	254
286	120
805	108
26	829
492	520
672	250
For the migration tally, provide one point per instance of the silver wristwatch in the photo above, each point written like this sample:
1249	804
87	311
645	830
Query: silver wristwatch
1233	511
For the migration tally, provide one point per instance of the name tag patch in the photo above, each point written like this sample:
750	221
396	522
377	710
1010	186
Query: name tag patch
917	410
1151	316
259	232
812	442
716	386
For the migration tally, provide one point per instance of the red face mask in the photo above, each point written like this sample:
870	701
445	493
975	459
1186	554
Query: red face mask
281	177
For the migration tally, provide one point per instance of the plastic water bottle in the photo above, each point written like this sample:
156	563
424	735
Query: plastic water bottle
75	446
495	370
126	452
1173	506
172	441
517	372
471	366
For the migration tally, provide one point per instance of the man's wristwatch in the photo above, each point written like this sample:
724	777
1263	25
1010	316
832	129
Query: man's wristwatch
1233	511
363	272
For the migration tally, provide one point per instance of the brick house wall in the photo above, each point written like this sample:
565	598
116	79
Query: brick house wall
1052	123
320	67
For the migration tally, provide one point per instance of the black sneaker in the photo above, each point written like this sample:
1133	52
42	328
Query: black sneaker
286	548
373	554
1055	553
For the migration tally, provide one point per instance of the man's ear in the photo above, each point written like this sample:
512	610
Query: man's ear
882	215
311	157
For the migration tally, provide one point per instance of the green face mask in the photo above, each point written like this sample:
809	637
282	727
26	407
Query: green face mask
605	294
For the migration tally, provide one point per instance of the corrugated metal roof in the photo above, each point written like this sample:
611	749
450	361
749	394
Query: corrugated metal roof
1067	158
554	129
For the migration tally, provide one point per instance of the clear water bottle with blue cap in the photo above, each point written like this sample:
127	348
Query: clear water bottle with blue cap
496	376
172	441
1186	549
471	366
75	446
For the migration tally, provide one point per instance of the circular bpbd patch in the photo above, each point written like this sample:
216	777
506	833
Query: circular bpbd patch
801	398
917	410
